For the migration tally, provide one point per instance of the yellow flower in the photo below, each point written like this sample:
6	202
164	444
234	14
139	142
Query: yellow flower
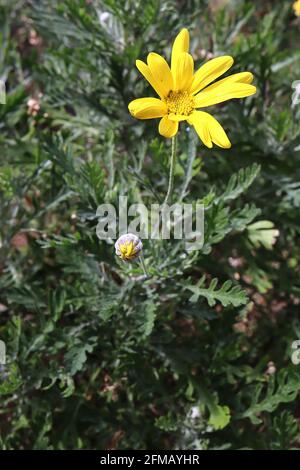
296	7
182	92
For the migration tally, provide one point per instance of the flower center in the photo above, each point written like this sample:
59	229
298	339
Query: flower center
127	250
180	102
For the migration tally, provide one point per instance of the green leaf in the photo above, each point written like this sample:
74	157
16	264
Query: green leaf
241	218
219	415
238	183
10	379
284	431
263	233
77	356
147	318
283	387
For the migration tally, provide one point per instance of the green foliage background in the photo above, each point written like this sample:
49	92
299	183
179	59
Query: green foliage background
199	355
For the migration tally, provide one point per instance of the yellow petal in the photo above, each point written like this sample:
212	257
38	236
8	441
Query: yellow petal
209	129
210	71
167	128
241	77
235	86
147	108
181	44
146	72
183	72
161	72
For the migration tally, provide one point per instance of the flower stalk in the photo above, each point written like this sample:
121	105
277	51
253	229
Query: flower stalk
143	265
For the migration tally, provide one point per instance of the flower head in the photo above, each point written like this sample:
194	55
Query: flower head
128	247
296	7
182	92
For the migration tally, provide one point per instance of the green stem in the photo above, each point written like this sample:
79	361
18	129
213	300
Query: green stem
172	168
142	261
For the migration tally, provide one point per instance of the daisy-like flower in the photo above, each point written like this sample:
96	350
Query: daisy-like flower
296	7
128	247
182	92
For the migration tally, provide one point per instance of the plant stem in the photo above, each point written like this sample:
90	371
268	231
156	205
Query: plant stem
142	261
172	168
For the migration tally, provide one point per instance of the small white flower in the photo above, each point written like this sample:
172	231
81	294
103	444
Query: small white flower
195	412
104	16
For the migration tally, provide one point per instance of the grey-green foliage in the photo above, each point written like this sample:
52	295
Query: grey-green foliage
227	294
